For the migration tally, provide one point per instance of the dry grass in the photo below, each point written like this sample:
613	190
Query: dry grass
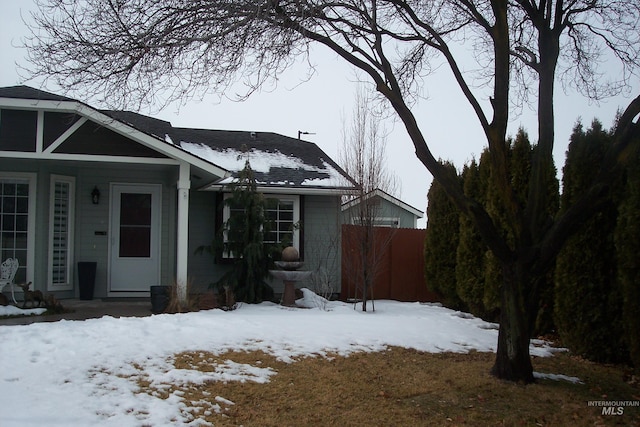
402	387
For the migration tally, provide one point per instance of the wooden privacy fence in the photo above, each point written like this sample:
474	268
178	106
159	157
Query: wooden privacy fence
399	264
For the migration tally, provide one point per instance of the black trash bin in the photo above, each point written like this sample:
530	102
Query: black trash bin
87	279
160	298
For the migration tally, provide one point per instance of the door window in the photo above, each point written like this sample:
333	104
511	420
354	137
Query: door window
135	225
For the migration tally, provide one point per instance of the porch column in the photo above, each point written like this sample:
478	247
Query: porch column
182	238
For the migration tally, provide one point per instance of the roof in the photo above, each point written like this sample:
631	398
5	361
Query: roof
26	92
279	162
276	160
386	196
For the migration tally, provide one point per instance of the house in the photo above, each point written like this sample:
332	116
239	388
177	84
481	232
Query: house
384	209
137	196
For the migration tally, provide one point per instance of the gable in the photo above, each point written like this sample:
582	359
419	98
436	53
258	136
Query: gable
389	208
94	139
18	132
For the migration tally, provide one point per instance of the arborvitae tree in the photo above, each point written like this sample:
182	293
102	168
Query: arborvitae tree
587	295
522	155
493	268
627	250
544	322
479	273
519	152
470	265
244	241
544	292
441	241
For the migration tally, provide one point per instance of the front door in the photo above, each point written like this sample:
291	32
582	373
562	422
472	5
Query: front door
135	238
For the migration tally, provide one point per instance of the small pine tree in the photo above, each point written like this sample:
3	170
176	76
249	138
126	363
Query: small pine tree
244	241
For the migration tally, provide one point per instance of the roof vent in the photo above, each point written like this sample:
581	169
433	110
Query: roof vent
253	135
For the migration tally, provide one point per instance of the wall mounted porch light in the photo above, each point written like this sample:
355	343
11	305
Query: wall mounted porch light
95	196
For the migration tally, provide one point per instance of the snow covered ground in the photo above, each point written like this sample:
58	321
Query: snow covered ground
82	373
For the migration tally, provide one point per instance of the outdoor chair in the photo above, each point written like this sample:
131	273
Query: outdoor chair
7	273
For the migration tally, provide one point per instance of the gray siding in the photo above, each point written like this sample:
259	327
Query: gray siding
90	218
321	240
385	209
43	171
95	218
202	222
322	243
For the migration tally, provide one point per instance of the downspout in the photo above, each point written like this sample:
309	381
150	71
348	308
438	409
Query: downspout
182	237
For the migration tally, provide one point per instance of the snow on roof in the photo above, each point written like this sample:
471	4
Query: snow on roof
270	166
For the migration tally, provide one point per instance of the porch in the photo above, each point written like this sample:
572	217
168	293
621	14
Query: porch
89	309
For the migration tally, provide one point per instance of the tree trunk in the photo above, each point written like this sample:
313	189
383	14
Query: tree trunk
513	362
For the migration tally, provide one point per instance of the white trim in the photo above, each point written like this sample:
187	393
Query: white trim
296	214
182	232
66	134
301	191
32	179
70	236
40	132
88	158
388	198
30	104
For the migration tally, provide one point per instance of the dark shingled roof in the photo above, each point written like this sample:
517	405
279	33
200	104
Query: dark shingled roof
26	92
317	164
267	142
149	125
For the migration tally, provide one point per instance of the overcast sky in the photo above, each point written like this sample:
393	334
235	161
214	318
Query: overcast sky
322	104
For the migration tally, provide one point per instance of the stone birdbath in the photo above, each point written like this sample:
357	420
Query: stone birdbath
289	274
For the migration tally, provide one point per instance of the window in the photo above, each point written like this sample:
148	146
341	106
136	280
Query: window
61	222
135	225
280	214
17	208
378	222
283	214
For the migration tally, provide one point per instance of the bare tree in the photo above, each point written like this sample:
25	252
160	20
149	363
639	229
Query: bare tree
363	156
151	51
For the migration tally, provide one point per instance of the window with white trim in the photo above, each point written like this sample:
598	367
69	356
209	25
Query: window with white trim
282	224
61	212
283	215
17	210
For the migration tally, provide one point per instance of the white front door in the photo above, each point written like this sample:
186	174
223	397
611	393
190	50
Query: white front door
135	238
